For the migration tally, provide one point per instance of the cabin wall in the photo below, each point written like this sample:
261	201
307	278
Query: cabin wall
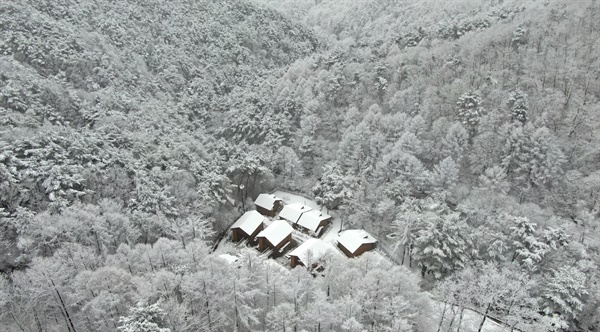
363	248
262	244
294	261
277	206
345	251
258	230
265	212
238	234
270	213
283	242
323	224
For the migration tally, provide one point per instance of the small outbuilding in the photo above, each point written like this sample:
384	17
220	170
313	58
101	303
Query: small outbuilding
293	212
268	205
314	222
275	237
309	252
354	242
247	226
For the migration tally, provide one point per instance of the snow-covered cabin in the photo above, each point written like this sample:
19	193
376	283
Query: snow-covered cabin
354	242
276	237
309	252
293	212
314	222
268	204
247	226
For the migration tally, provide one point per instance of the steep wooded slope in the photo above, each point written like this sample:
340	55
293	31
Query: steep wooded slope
99	85
465	130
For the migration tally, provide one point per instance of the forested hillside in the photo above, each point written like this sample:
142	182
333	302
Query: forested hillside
463	134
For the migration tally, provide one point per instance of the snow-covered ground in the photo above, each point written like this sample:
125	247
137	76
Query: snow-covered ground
470	321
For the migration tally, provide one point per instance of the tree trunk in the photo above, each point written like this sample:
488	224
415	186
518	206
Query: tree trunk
235	323
442	318
62	303
403	254
37	321
460	319
207	305
452	320
484	318
16	321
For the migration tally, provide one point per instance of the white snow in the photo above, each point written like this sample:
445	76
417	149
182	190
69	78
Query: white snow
276	232
249	222
266	201
354	238
291	198
229	258
470	320
293	212
311	250
311	219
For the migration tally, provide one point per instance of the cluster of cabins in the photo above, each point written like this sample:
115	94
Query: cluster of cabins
276	238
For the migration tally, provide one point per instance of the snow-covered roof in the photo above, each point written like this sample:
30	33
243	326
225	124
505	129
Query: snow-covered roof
311	219
311	250
266	201
354	238
292	212
249	222
276	232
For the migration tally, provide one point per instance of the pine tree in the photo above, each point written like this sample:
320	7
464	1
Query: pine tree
442	245
529	249
494	179
446	174
456	141
518	106
333	187
470	110
565	293
144	318
532	157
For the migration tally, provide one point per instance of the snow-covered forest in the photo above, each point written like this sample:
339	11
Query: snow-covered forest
463	135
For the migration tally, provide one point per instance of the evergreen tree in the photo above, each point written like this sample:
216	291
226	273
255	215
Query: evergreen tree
529	249
518	106
564	293
334	187
144	318
442	245
446	174
470	110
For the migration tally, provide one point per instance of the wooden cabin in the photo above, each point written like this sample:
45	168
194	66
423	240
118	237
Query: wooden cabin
275	237
355	242
293	212
313	222
308	253
268	205
247	226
